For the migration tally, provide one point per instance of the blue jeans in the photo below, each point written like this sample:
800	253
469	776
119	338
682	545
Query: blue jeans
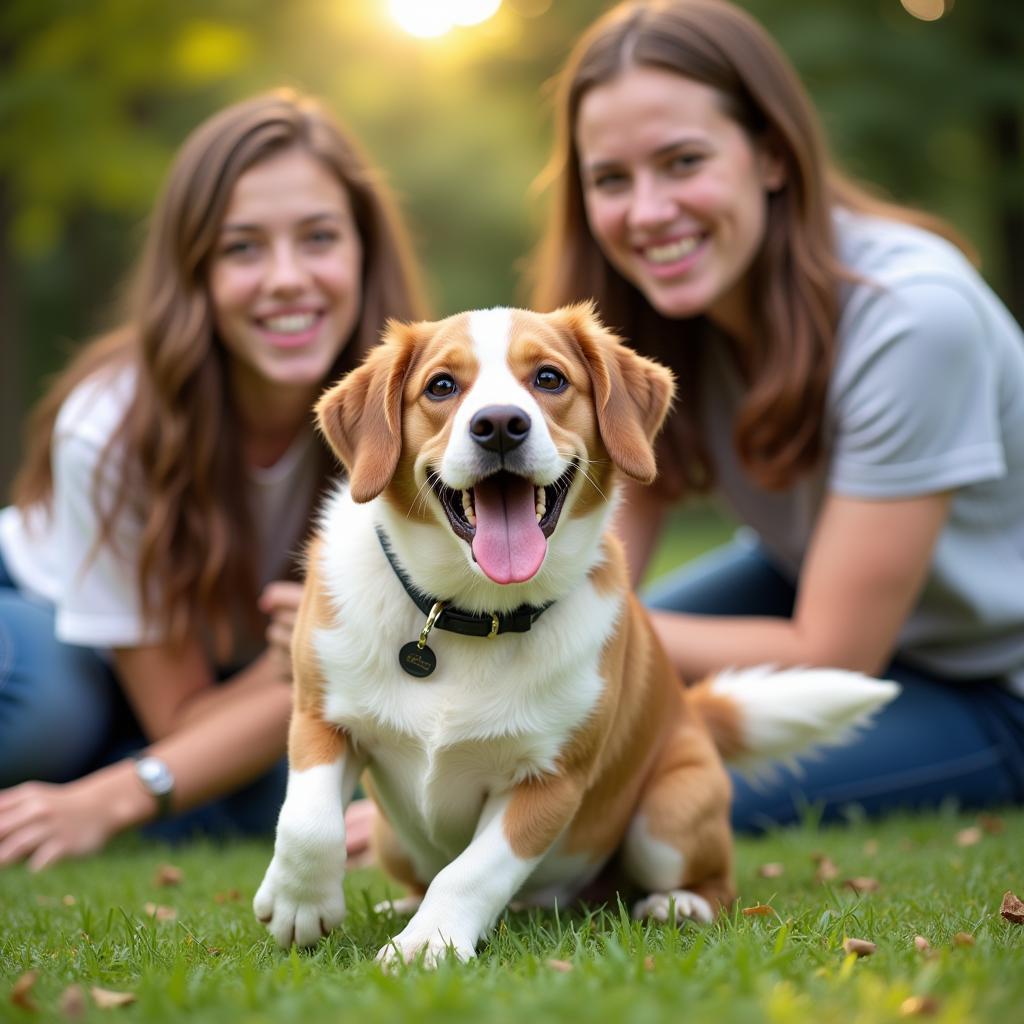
63	714
939	742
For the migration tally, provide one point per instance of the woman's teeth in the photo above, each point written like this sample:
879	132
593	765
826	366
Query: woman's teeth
290	323
671	251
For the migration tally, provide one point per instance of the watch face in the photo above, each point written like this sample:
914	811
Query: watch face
155	775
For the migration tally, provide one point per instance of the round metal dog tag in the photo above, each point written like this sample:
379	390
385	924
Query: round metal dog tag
416	660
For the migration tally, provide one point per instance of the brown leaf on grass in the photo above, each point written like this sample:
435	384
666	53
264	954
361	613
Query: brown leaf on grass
72	1002
963	939
871	847
560	965
921	944
21	991
69	900
648	963
105	999
758	910
167	875
826	871
1012	908
859	947
161	913
969	836
991	824
231	896
862	884
919	1006
771	870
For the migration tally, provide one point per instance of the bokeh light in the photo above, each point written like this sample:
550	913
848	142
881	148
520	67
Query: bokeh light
927	10
432	18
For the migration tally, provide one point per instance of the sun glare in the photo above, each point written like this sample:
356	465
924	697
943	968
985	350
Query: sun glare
429	19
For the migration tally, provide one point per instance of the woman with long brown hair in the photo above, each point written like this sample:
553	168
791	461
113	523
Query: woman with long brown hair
847	383
150	565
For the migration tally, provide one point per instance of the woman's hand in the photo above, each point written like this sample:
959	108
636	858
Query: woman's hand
43	822
280	600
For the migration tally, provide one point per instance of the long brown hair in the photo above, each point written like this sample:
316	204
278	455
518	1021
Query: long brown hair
795	278
182	472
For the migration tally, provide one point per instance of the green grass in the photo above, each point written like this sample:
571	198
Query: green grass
85	923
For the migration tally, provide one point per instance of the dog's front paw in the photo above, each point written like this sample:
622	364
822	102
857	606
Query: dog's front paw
431	941
297	909
673	906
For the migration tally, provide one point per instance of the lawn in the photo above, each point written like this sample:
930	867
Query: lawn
185	945
172	930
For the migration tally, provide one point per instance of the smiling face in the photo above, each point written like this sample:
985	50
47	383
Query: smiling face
285	277
675	192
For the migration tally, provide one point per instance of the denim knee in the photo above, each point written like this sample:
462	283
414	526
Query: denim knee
55	699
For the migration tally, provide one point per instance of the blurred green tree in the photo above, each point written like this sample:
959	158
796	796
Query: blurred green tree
95	95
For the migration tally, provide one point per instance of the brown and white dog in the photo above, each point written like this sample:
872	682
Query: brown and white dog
483	453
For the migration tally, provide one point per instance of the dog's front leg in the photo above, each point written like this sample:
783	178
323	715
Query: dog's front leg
515	830
301	899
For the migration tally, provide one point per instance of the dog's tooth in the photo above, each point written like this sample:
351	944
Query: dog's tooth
467	508
541	506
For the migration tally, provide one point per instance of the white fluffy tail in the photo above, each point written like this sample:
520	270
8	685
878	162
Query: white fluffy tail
763	715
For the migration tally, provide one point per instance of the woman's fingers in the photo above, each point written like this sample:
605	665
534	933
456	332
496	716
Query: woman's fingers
20	843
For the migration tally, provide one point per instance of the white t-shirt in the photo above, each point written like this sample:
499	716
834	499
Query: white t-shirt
927	395
47	552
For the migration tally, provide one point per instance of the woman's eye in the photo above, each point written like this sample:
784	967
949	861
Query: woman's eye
441	386
550	379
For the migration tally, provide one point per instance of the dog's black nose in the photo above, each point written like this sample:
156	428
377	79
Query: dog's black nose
500	428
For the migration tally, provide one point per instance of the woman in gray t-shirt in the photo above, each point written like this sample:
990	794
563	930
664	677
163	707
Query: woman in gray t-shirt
848	384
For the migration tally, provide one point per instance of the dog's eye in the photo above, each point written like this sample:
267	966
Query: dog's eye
441	386
549	379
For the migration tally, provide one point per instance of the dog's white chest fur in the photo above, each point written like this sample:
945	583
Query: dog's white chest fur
493	713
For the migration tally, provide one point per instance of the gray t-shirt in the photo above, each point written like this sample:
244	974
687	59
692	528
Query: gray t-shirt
927	395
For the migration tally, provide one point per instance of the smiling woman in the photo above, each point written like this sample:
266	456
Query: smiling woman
149	572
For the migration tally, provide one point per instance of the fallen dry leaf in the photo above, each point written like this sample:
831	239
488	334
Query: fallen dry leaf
827	870
105	999
161	913
771	870
862	884
860	947
921	944
1012	908
560	965
231	896
969	836
991	824
21	991
758	910
871	847
69	900
168	875
919	1006
72	1002
963	939
648	963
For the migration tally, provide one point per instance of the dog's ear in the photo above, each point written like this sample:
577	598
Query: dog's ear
361	415
632	394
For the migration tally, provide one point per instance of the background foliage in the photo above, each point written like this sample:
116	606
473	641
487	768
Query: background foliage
95	95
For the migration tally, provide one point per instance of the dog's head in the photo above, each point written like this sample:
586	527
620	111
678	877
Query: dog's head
499	425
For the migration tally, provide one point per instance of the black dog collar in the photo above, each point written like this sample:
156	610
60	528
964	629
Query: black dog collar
454	620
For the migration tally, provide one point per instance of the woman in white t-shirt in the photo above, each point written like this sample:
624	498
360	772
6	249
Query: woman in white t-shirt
149	567
847	383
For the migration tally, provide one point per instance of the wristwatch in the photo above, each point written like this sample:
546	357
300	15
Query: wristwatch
157	779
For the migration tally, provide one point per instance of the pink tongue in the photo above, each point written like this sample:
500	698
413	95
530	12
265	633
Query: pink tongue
509	545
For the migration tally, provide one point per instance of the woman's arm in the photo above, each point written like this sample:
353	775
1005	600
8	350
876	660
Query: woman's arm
863	572
214	738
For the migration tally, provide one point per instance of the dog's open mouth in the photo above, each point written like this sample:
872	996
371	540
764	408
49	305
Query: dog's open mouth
506	519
